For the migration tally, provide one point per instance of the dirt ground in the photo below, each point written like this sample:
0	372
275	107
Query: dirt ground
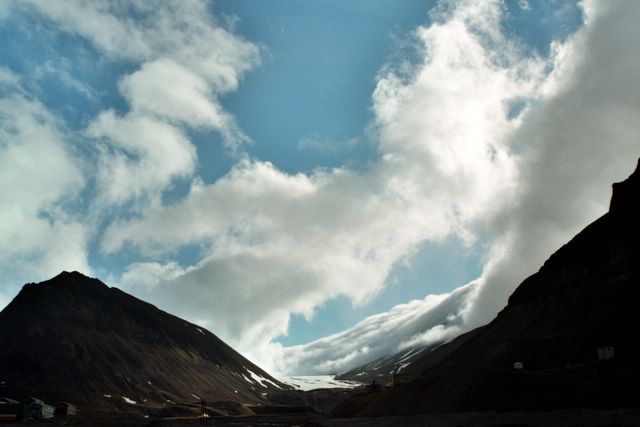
256	420
560	418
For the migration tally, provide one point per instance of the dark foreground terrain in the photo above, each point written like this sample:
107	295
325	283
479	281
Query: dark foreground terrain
559	418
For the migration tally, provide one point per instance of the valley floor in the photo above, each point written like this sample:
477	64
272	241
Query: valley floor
559	418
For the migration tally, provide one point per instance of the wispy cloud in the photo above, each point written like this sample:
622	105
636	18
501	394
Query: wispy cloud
181	60
38	173
324	144
63	74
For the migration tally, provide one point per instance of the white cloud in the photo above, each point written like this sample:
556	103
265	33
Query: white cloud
9	81
448	125
419	322
283	244
142	30
140	156
583	139
188	59
148	274
183	60
271	249
5	9
524	5
167	89
38	173
4	301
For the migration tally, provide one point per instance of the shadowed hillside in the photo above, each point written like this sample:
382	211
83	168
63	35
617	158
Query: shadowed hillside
567	338
73	338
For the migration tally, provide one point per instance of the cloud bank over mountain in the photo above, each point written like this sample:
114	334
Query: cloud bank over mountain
434	319
479	138
578	137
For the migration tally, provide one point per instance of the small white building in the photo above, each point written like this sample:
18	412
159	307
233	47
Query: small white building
606	353
518	365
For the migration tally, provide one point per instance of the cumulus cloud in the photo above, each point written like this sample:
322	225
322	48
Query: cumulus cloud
139	156
445	129
583	139
270	246
166	89
38	174
283	244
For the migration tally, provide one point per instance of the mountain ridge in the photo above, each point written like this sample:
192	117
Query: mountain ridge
74	338
564	340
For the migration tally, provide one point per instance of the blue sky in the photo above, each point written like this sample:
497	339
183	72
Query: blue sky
319	71
281	171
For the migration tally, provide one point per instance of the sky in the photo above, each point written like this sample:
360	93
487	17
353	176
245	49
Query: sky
318	183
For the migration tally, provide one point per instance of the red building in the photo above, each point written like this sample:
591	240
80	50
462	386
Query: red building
66	409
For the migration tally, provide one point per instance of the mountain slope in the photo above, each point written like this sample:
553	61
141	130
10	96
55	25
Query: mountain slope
584	298
423	330
73	338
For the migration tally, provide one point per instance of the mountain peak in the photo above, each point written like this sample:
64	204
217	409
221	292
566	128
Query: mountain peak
626	194
101	341
66	285
73	277
71	274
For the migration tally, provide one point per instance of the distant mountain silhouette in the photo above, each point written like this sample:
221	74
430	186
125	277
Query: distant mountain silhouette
72	338
443	314
566	339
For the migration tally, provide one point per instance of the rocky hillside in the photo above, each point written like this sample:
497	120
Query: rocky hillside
567	338
73	338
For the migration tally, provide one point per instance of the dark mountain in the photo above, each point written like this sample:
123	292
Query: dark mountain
566	339
72	338
407	361
382	369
